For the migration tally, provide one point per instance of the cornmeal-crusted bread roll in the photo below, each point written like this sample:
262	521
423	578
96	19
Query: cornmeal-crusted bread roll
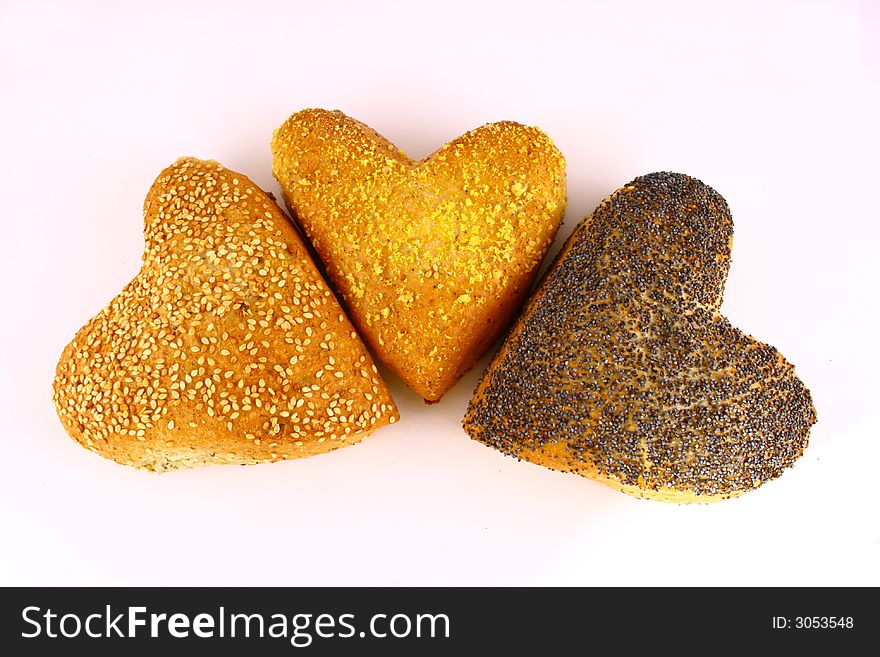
622	368
431	258
227	347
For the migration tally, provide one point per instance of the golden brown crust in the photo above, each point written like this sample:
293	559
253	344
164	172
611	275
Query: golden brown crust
227	347
431	258
623	370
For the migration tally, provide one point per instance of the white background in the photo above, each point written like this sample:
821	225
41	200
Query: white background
774	104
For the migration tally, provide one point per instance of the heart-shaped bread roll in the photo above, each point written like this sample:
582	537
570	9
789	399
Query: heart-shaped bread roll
431	258
227	347
622	368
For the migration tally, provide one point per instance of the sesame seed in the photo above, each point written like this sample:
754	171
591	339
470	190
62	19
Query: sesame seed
211	281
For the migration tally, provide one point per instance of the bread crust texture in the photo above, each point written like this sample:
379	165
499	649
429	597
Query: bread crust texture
226	348
432	258
623	369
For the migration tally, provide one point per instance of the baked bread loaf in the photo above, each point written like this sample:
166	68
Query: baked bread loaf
622	368
227	347
431	258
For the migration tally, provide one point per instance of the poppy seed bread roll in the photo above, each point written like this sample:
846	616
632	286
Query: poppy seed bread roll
227	347
622	368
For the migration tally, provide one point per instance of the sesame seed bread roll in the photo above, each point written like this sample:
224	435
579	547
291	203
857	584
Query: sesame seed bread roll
622	368
431	258
227	347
